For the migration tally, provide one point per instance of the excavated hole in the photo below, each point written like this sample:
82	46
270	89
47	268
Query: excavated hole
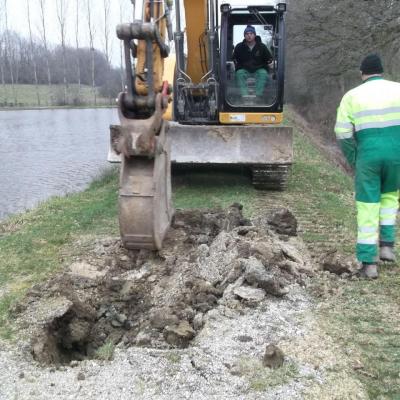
65	339
160	299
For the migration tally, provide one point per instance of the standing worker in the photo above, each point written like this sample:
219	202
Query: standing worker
368	131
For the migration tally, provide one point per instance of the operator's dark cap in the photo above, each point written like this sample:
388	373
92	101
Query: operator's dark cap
371	65
249	28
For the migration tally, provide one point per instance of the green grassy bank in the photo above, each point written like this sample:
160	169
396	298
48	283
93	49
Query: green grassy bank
364	317
26	96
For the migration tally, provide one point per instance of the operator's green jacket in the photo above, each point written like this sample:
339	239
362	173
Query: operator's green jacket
368	131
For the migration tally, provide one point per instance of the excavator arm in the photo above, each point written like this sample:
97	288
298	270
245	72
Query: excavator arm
145	209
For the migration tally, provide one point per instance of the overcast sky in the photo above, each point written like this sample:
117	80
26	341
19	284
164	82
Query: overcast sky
18	21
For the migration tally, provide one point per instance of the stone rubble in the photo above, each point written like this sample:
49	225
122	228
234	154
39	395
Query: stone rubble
180	323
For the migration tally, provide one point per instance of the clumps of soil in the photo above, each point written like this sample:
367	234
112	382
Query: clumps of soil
338	264
212	258
273	357
283	222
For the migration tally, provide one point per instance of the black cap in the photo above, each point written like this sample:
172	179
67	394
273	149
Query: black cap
249	28
371	65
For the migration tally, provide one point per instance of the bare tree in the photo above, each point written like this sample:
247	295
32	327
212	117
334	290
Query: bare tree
9	53
315	29
33	58
78	64
121	47
326	42
107	42
2	59
133	8
2	53
42	6
91	31
20	55
61	16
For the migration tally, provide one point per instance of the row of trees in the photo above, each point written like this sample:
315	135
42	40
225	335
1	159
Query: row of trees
326	43
24	63
35	59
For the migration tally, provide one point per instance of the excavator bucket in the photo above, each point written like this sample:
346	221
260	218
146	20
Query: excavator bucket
145	207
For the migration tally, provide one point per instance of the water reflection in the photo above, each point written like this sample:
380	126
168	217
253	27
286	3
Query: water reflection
50	152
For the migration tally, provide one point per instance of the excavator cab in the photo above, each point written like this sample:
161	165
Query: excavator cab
269	23
206	90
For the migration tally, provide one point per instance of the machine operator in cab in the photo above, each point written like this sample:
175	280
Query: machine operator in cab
252	57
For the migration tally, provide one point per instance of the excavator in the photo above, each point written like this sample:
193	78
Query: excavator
184	106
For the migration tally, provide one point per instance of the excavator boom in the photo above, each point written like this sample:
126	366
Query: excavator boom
145	209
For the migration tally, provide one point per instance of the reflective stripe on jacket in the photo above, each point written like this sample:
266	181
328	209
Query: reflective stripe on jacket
369	115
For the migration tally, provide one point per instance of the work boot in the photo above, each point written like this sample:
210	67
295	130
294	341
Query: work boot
369	271
386	253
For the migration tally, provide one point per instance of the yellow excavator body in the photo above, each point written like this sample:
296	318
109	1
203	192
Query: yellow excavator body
188	106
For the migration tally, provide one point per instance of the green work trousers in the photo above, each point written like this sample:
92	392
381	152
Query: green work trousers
261	77
377	183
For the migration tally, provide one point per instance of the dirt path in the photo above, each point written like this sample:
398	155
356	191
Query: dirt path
192	321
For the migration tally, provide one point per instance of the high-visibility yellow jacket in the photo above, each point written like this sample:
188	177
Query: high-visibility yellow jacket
368	121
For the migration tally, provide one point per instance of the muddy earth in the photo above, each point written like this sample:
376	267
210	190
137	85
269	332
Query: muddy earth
161	299
221	312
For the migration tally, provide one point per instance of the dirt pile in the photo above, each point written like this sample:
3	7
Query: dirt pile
161	299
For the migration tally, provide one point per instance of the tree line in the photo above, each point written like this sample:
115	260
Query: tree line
21	63
35	59
326	43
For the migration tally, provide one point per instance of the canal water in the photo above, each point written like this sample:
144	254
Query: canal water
50	152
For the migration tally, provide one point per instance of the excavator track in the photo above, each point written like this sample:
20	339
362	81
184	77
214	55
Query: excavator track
270	176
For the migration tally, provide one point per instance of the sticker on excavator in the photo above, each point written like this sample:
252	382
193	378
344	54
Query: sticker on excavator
237	117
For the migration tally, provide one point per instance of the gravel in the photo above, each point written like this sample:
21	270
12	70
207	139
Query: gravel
205	370
225	358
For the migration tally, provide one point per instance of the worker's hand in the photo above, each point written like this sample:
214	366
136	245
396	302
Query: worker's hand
271	65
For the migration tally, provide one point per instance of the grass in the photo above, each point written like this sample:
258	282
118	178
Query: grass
26	96
260	378
204	188
32	244
366	319
173	357
106	352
